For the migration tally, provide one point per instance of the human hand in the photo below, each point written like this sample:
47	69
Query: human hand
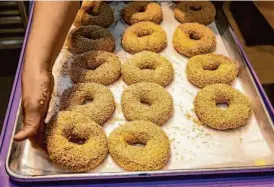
36	93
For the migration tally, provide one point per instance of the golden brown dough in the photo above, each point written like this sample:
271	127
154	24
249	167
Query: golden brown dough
147	66
87	38
152	156
202	12
96	66
192	39
135	12
236	115
90	99
144	36
203	70
94	13
147	101
75	142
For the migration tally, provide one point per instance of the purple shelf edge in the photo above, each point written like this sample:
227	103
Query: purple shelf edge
5	180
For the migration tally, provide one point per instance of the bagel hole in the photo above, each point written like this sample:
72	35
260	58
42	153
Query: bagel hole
142	9
211	67
73	138
222	106
145	102
147	67
95	64
93	11
195	8
136	143
194	36
144	33
134	140
87	101
77	140
89	36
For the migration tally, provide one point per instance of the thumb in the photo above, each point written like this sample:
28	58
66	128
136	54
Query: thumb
31	125
38	140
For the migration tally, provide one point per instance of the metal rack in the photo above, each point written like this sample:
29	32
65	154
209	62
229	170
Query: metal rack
13	22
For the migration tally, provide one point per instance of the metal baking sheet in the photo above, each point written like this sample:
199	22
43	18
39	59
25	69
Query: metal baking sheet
195	148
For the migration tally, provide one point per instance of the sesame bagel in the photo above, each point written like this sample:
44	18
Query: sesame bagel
96	66
144	36
203	70
153	155
236	115
94	13
135	12
147	101
192	39
90	99
87	38
202	12
75	142
147	66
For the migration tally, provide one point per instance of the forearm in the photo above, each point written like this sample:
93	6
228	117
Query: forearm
51	22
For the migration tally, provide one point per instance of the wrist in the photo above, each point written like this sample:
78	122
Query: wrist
37	84
35	70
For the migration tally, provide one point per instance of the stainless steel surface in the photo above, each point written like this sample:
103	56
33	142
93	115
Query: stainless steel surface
195	148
